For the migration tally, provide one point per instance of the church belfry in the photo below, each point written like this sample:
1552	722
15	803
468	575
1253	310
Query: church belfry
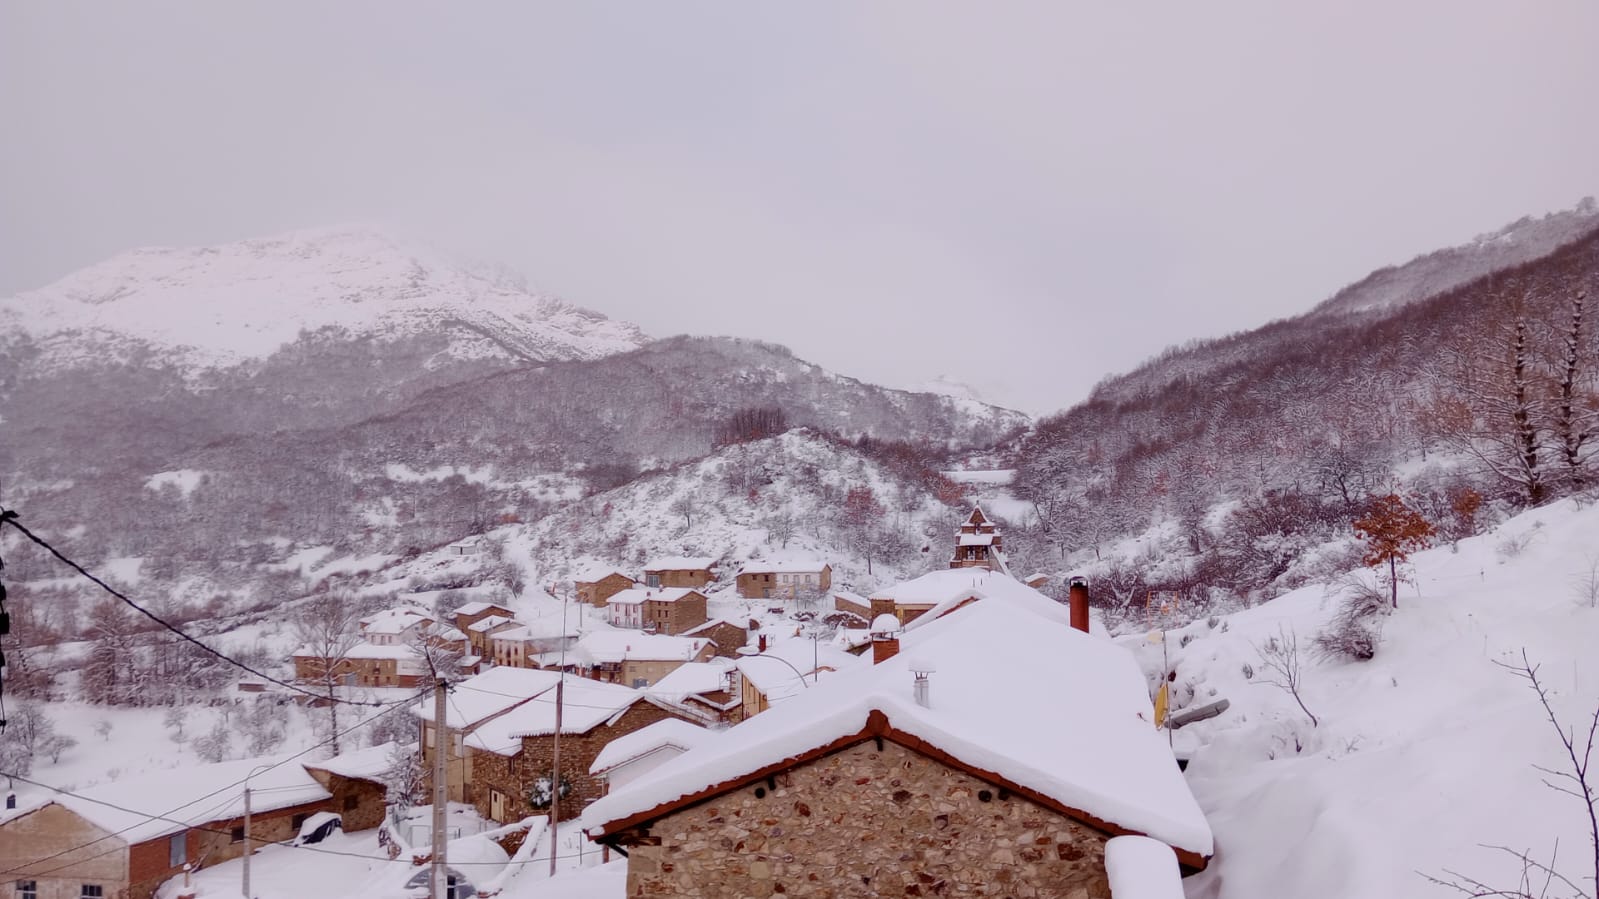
978	544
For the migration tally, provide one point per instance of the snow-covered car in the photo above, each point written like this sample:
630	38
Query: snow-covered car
318	827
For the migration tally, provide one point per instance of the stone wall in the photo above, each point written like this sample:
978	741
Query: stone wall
41	834
864	822
358	802
514	776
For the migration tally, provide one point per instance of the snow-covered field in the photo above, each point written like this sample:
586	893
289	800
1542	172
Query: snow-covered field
1422	753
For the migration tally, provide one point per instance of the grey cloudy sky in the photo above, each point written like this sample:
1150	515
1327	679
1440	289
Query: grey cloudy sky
1024	197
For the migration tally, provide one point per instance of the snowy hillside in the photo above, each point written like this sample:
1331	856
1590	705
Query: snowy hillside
746	502
223	305
1437	272
1423	752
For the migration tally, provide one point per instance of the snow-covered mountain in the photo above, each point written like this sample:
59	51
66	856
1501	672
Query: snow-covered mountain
1433	273
205	307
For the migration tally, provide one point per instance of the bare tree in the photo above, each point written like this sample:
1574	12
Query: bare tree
327	628
1279	662
684	506
1575	416
1577	780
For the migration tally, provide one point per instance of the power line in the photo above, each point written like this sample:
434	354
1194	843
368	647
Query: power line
394	707
10	517
187	826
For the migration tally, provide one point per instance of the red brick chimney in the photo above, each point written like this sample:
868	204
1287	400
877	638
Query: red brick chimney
1079	603
762	644
885	638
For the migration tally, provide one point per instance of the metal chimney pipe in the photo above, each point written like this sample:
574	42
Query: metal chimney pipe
1079	603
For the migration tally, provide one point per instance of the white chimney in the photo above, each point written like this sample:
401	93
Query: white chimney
921	668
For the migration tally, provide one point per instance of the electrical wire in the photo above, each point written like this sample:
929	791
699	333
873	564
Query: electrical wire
213	830
394	707
10	517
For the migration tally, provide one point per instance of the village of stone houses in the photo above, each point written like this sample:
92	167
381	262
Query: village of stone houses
339	562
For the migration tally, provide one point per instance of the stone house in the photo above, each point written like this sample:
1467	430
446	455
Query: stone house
473	612
784	580
354	781
853	603
694	572
783	669
480	632
659	610
999	748
365	665
596	585
939	591
131	853
728	637
631	756
534	644
515	750
703	692
635	659
473	703
393	627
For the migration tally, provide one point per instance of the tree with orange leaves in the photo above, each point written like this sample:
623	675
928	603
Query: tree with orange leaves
1392	531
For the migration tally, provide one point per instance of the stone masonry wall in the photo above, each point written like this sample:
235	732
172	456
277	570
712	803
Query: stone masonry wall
515	776
864	822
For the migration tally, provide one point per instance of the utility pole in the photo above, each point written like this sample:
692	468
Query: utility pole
441	742
555	752
247	838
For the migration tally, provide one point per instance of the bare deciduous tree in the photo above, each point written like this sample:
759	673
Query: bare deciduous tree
1280	668
1577	780
327	628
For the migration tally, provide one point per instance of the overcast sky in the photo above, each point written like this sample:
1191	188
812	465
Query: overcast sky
1023	197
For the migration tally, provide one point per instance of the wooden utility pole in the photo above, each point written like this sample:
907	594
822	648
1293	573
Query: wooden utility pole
555	779
247	893
441	794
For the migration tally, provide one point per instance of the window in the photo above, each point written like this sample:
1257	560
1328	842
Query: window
27	889
350	803
92	891
238	834
297	822
177	849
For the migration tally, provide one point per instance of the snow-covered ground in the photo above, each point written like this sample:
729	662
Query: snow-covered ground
1422	753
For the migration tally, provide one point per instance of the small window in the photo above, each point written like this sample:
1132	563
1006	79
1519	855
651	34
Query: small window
298	821
350	802
238	834
177	849
27	889
92	891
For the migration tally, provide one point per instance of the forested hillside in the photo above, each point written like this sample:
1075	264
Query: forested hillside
1251	451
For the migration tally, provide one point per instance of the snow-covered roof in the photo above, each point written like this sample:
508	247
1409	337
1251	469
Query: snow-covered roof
596	573
365	651
363	764
943	590
773	671
668	733
691	678
639	595
586	705
394	621
713	623
601	647
487	624
516	634
795	566
479	698
1057	713
479	607
207	793
977	539
681	563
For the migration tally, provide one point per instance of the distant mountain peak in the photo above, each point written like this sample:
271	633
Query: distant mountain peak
242	301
